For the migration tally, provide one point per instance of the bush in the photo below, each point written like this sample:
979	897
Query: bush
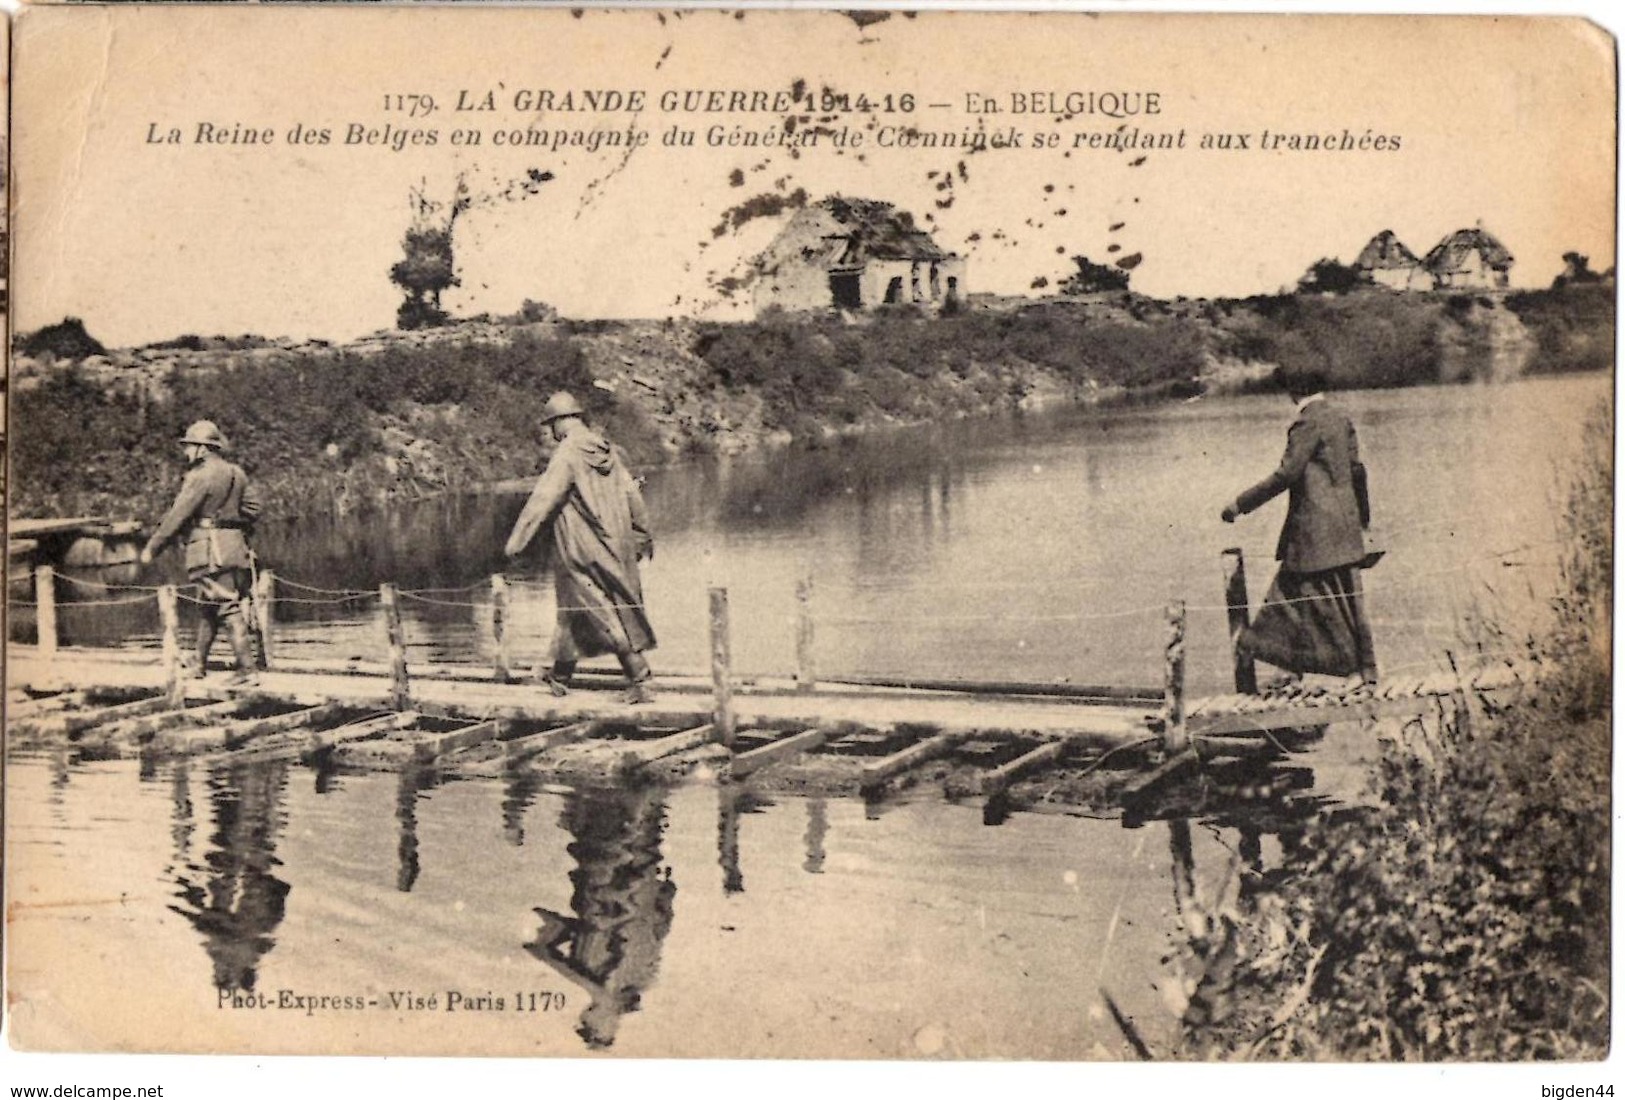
1573	327
67	340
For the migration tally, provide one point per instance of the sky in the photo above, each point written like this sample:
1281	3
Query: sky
1506	122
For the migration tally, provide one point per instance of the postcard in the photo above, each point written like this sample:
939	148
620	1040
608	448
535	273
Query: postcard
769	534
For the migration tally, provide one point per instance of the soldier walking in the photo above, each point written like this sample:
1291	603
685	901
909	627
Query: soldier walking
599	534
211	518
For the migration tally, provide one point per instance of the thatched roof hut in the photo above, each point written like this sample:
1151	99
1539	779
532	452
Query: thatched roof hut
1469	258
1386	252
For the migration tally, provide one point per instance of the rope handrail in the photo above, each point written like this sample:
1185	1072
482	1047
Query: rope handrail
410	595
103	586
1072	617
347	592
150	597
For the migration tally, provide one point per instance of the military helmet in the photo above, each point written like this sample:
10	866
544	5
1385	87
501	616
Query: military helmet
205	433
561	405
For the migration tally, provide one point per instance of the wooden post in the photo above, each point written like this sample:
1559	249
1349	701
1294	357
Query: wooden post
1174	736
45	609
400	696
806	676
169	617
264	604
499	625
722	668
1235	598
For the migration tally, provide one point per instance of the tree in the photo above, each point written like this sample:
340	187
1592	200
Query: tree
1091	278
1576	270
429	265
1328	276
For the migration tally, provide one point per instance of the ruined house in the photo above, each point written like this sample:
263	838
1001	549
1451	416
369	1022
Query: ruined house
1469	259
1386	261
842	253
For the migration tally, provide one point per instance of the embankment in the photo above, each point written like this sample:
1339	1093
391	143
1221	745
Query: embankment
402	415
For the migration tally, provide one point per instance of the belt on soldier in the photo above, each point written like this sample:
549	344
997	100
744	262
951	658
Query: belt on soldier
221	525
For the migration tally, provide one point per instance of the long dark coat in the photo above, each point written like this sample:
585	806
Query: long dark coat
1328	507
599	529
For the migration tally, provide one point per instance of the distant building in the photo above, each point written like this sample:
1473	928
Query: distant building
842	253
1469	259
1386	261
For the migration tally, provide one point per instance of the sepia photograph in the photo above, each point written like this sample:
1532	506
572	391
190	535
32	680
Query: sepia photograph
901	536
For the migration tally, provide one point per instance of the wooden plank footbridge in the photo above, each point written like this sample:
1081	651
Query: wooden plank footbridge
853	735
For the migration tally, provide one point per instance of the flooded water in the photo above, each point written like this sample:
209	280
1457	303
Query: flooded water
1043	547
647	921
279	907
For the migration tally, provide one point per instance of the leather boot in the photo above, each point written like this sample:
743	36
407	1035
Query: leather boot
243	647
207	626
558	680
636	667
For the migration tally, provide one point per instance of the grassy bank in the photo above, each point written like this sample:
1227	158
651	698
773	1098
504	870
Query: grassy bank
1466	915
323	428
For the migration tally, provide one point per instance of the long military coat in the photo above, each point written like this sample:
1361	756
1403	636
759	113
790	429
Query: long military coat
595	513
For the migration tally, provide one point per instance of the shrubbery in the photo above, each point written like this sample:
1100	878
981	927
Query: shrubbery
304	420
1573	327
812	370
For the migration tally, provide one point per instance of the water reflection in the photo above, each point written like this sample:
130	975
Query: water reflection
409	788
817	830
233	896
518	793
621	907
733	802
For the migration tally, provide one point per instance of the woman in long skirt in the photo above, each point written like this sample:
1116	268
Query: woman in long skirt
1313	618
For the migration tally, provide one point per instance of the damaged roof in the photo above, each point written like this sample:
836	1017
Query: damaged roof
1385	251
878	230
1451	253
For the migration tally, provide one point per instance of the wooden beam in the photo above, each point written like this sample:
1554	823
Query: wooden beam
722	686
146	726
428	747
44	705
1098	693
806	668
1243	670
73	722
232	734
265	614
1001	777
45	609
400	692
523	748
367	727
1174	735
499	628
1140	784
1305	714
772	753
932	747
641	753
169	617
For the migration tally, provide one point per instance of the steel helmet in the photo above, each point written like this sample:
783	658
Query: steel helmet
561	405
205	433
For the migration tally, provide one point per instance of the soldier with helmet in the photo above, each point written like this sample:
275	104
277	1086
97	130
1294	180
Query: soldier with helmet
592	510
211	518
